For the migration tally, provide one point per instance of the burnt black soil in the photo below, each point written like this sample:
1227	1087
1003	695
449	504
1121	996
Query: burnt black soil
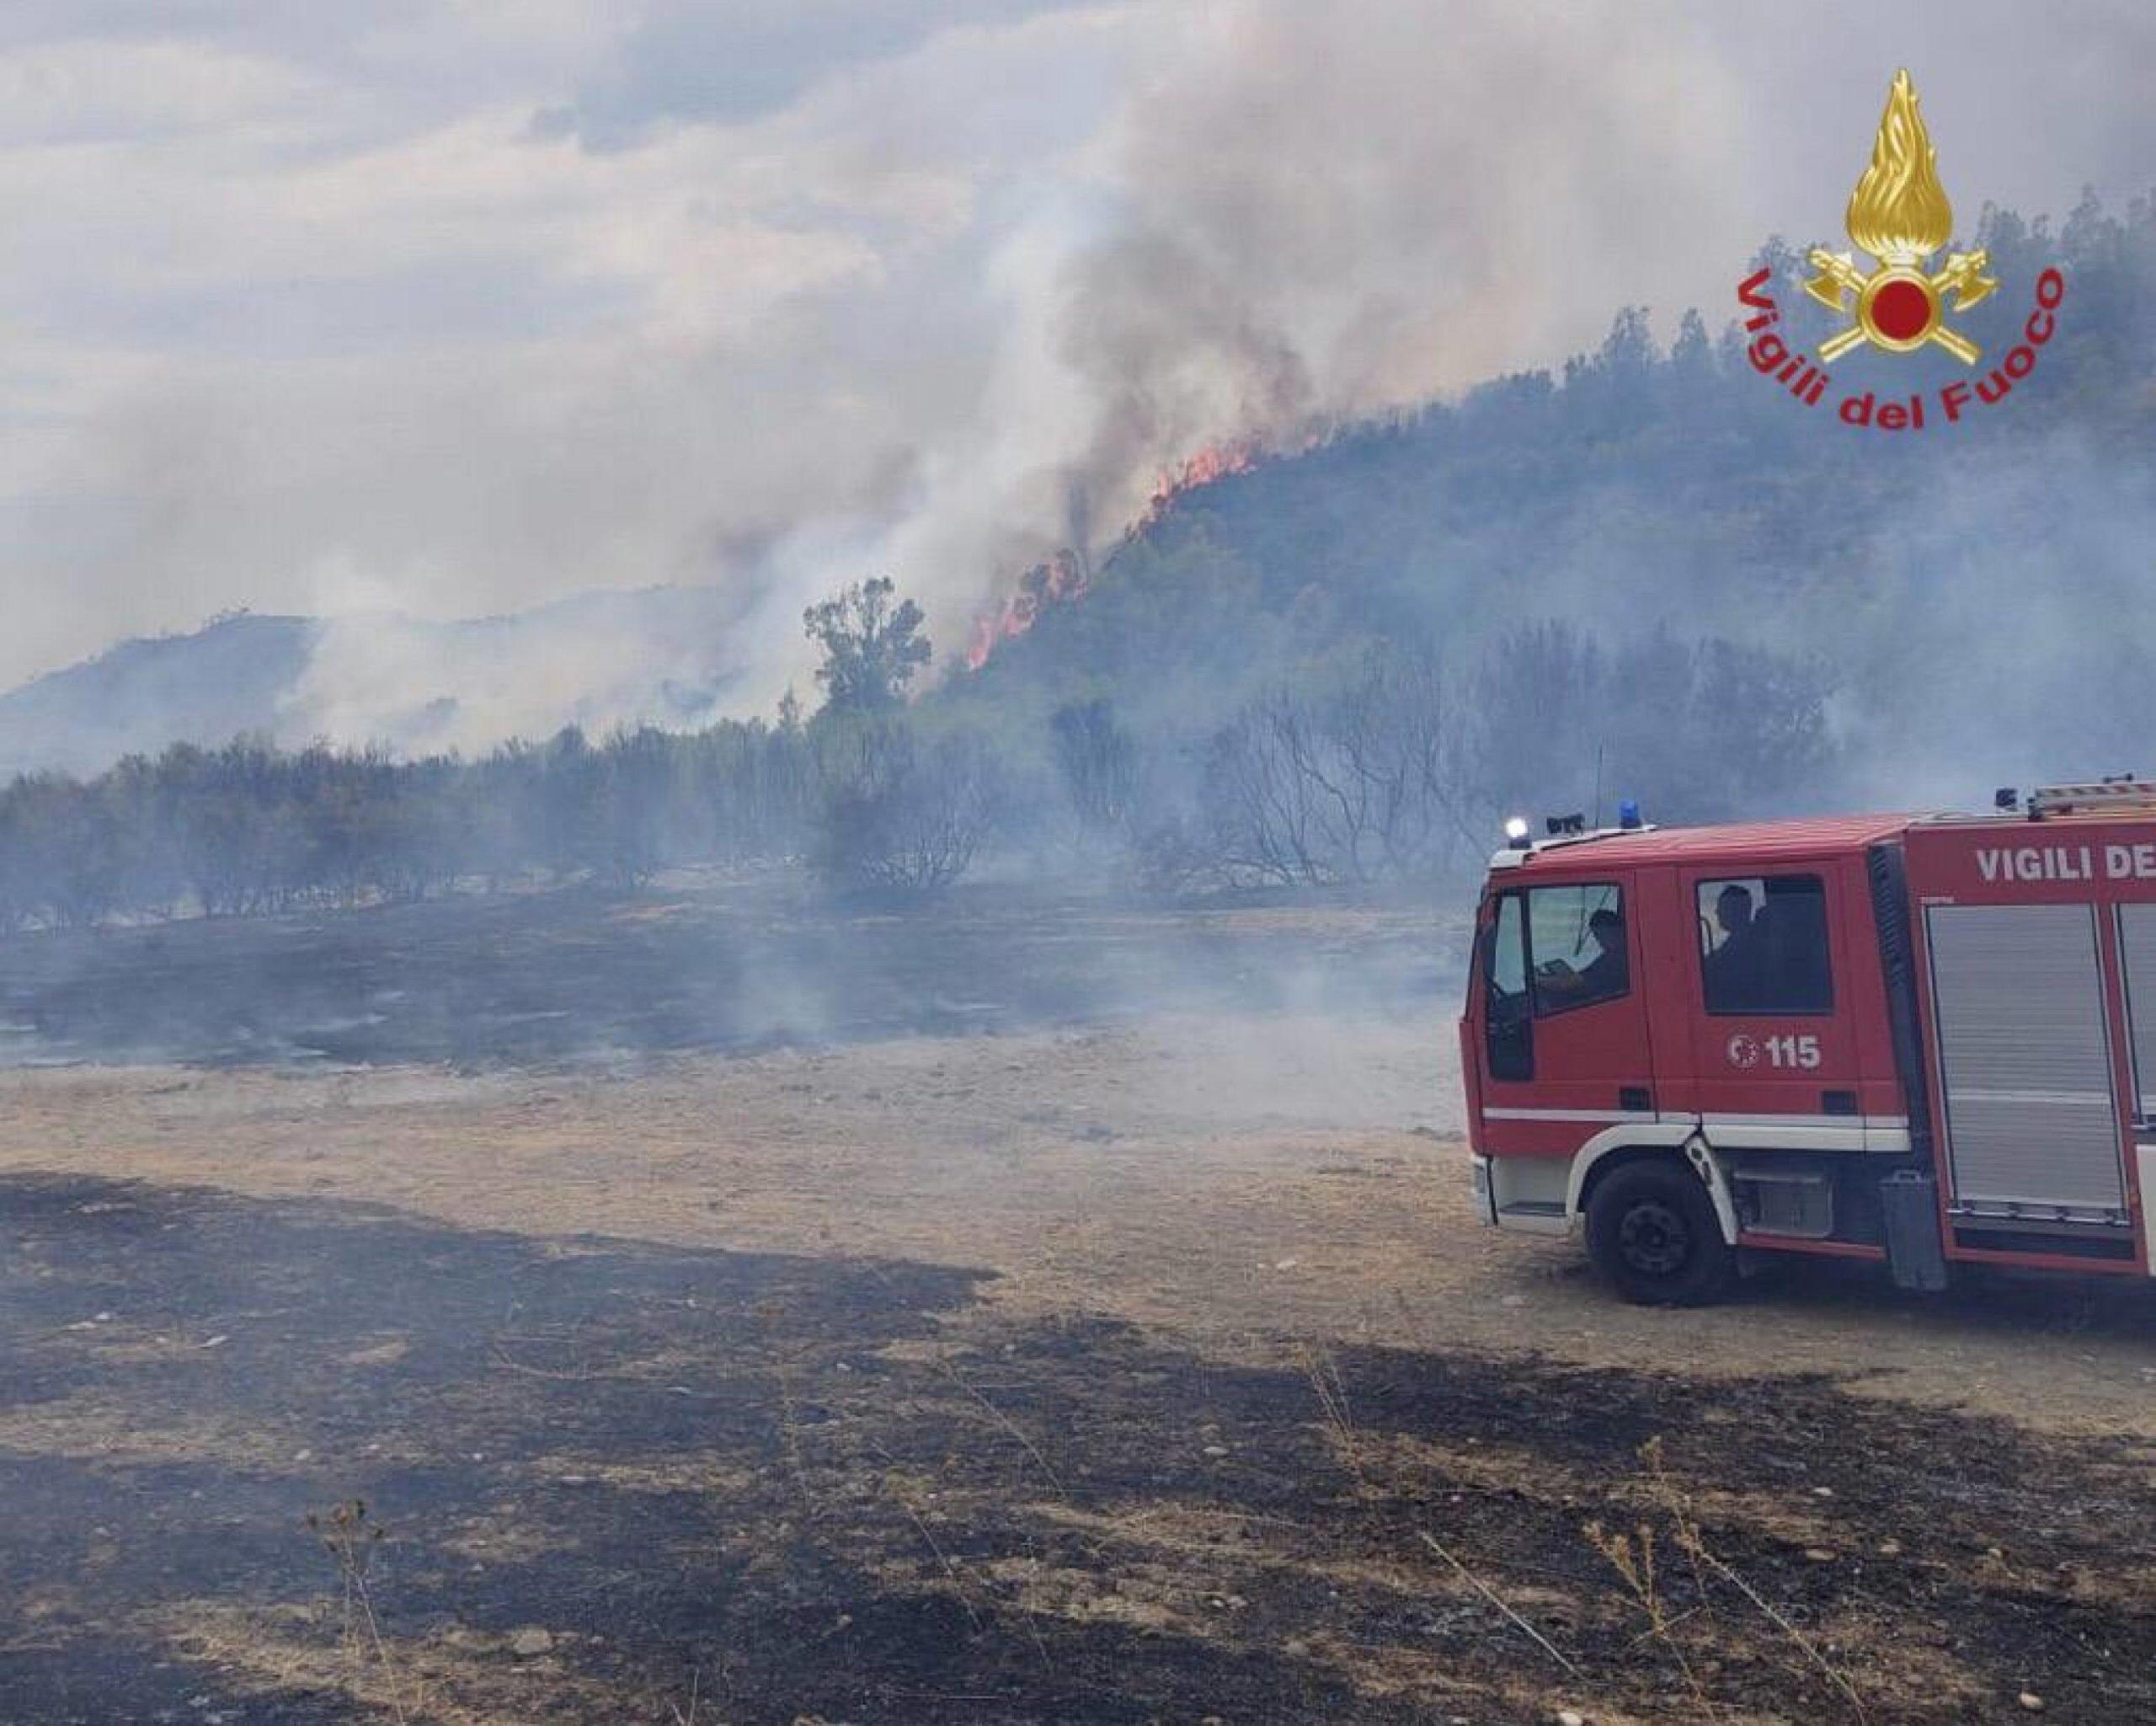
528	977
792	1486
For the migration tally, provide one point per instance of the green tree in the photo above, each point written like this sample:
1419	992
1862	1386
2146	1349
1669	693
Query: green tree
872	645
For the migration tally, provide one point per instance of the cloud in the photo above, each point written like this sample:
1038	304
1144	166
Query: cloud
694	61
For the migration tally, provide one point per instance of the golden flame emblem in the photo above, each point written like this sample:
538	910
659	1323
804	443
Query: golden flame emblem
1899	213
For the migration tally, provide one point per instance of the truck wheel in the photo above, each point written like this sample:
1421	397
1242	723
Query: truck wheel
1652	1234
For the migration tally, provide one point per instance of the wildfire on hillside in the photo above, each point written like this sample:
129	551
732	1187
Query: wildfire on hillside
1067	574
1062	577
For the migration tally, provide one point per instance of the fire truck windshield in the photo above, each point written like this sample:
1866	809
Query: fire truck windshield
1576	935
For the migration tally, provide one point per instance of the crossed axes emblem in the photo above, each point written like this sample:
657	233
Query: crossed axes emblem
1899	307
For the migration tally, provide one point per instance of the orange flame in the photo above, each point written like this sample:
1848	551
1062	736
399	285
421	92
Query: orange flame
1061	577
1215	462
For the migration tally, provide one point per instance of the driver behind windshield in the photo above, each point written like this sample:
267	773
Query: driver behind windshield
1608	974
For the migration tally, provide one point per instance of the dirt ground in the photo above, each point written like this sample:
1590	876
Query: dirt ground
1140	1367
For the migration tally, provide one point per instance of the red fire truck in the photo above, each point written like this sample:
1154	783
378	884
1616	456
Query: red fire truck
1923	1040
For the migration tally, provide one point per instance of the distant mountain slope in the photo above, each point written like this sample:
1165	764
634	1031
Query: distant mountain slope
225	678
665	654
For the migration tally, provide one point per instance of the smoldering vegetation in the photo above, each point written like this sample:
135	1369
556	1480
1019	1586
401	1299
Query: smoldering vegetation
1371	773
601	977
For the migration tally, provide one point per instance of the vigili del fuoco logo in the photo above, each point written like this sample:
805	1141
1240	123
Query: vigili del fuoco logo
1899	215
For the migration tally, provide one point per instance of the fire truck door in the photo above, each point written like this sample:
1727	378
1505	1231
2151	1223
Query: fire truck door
1773	1046
1566	1033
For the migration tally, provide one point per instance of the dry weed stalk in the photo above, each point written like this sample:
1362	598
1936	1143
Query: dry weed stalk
1331	1390
769	1312
892	1484
1632	1557
1489	1594
351	1540
1055	1485
1638	1572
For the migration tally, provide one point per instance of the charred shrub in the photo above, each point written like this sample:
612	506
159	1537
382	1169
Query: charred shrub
1699	730
1098	761
1347	773
898	814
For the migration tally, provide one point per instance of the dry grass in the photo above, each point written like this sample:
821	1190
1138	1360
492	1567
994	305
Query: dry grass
461	1677
1331	1390
109	1427
1639	1556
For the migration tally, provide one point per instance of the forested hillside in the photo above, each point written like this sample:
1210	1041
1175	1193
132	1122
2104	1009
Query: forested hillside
1655	574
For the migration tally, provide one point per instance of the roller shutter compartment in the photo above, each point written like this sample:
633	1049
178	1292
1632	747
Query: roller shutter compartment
2024	1058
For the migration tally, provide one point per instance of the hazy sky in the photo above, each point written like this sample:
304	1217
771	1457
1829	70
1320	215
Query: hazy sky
455	308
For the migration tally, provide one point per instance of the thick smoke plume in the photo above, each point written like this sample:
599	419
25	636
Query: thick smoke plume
445	315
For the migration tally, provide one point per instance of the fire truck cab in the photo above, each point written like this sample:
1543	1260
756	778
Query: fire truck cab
1923	1040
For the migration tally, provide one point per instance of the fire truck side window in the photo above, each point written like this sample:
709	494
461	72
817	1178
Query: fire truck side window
1575	942
1762	945
1509	1025
1508	951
